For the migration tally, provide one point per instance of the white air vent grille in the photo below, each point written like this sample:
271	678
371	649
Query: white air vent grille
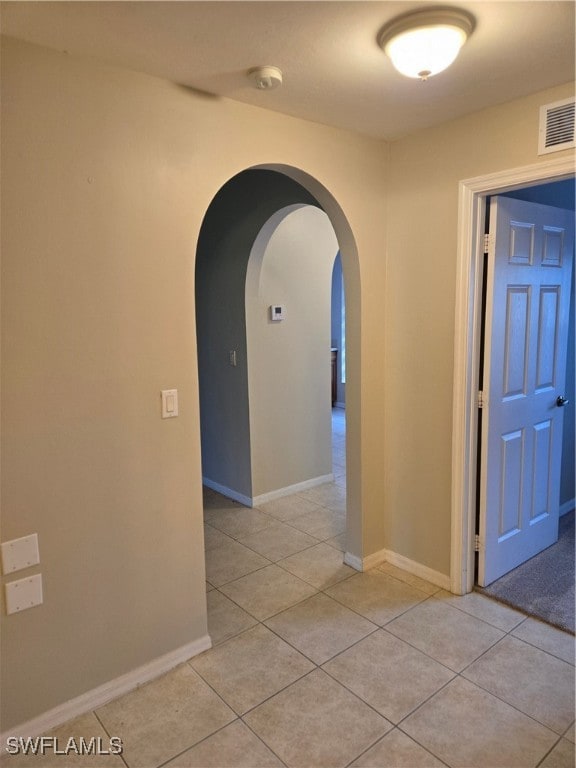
556	127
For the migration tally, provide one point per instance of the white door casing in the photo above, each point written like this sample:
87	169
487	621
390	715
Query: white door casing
467	332
528	296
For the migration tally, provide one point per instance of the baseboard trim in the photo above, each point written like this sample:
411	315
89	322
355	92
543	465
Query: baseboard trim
339	405
105	693
254	501
354	561
365	563
568	506
411	566
417	569
247	501
290	489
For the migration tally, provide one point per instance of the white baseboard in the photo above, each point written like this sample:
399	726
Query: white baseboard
101	695
365	563
411	566
254	501
290	489
568	506
417	569
340	405
228	492
354	561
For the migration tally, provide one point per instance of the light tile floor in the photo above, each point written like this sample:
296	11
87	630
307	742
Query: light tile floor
316	666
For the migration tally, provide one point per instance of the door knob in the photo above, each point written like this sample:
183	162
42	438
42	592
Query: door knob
561	401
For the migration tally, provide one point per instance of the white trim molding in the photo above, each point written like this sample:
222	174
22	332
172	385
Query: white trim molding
289	489
354	561
410	566
417	569
254	501
567	506
471	207
228	492
105	693
366	563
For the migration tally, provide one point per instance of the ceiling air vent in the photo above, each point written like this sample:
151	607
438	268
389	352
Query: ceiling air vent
556	126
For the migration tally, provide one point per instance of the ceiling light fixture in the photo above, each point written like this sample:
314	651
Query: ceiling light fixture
266	78
425	42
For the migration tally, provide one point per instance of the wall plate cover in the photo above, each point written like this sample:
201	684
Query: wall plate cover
277	312
169	403
25	593
20	553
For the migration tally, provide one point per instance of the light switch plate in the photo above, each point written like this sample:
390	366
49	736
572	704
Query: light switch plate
277	312
20	553
23	594
169	403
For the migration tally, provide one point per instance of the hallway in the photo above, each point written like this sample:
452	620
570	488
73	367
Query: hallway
315	664
329	667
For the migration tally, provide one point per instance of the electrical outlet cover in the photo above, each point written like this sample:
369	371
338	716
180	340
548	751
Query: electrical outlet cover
24	593
20	553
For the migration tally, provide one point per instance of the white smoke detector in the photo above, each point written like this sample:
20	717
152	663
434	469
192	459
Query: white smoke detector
266	78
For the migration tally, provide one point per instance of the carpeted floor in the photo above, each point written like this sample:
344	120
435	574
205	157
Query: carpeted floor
543	586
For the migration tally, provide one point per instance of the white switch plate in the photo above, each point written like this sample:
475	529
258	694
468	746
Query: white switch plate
22	594
20	553
277	312
169	403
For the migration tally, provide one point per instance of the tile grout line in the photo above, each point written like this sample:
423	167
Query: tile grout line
395	728
323	590
552	748
282	522
317	666
456	674
197	743
247	725
278	564
331	658
107	732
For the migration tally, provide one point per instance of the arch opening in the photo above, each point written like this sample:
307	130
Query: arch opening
239	219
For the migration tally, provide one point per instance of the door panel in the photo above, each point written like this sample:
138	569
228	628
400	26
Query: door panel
528	295
547	342
542	454
512	463
516	339
521	243
553	246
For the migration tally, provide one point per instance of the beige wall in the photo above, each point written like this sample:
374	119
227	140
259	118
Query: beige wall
421	276
289	360
106	175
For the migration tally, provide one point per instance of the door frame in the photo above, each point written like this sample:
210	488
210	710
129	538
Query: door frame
468	316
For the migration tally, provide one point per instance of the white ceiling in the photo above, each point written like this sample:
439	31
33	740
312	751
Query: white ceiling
334	71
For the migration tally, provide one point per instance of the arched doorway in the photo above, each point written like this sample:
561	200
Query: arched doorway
232	222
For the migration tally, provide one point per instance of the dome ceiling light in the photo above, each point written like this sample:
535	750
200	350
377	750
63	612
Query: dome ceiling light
423	43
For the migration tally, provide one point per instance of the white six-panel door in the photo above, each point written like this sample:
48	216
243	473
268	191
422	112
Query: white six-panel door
528	300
